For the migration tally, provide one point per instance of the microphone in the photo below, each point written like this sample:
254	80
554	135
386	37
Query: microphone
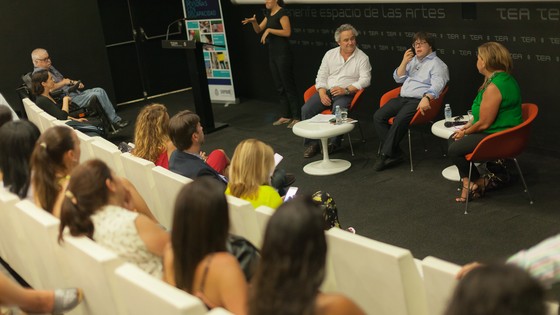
168	26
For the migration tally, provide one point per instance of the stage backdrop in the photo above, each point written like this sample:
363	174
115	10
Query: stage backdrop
529	30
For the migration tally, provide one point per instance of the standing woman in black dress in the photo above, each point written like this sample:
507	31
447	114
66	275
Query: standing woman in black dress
276	31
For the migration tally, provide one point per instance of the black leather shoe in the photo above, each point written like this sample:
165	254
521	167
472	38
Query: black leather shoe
311	150
120	124
289	179
385	162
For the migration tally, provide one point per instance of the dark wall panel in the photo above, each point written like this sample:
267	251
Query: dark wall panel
69	30
529	30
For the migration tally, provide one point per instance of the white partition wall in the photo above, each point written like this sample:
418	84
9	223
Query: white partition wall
381	278
142	293
168	185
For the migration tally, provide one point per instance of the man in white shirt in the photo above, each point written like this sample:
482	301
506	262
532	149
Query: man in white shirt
344	71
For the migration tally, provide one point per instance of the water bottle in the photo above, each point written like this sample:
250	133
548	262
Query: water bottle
338	115
448	113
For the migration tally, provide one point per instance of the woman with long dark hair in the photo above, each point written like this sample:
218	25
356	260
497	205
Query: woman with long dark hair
292	266
198	261
17	140
276	31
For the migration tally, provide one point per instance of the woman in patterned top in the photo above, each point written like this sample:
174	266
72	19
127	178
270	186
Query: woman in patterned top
98	205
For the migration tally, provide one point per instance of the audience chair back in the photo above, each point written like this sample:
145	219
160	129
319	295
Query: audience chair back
32	112
92	267
263	214
85	146
508	143
46	121
142	293
108	153
440	282
41	231
139	172
243	220
8	244
380	278
168	185
219	311
418	119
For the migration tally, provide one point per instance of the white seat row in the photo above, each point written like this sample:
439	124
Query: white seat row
381	278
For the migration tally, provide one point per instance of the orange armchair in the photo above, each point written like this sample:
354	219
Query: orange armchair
312	90
508	143
418	119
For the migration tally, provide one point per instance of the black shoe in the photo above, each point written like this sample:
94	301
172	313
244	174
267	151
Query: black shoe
289	179
332	147
120	124
385	162
311	150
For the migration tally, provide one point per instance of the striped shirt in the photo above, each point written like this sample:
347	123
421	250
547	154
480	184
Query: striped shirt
542	261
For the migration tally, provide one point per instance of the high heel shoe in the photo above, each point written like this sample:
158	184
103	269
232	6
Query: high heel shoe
473	193
66	299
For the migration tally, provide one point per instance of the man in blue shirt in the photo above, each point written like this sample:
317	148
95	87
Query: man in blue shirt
41	60
424	76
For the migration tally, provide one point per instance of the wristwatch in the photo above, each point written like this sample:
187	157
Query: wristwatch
347	91
426	96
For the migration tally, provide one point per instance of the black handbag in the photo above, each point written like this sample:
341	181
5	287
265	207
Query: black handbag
246	253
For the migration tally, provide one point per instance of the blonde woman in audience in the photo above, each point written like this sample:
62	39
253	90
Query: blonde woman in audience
56	154
37	301
250	171
498	289
98	205
292	266
151	138
197	260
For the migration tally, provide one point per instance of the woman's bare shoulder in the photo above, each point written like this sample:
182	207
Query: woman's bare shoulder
336	304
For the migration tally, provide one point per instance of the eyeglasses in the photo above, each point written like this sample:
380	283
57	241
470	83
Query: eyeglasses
44	59
415	44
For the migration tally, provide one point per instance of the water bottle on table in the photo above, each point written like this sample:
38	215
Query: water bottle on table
338	115
448	116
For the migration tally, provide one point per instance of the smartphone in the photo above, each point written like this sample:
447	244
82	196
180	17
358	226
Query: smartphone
413	50
290	193
277	159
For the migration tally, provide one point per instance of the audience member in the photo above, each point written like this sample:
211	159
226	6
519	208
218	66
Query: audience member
276	29
98	205
56	153
188	160
292	265
17	140
38	301
5	115
497	289
197	260
42	61
344	70
424	77
151	138
249	174
496	107
43	83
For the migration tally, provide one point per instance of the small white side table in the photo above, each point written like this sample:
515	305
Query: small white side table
323	131
439	130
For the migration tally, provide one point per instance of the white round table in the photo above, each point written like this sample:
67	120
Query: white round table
323	131
439	129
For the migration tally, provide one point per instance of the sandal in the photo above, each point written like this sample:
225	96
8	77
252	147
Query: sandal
474	193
